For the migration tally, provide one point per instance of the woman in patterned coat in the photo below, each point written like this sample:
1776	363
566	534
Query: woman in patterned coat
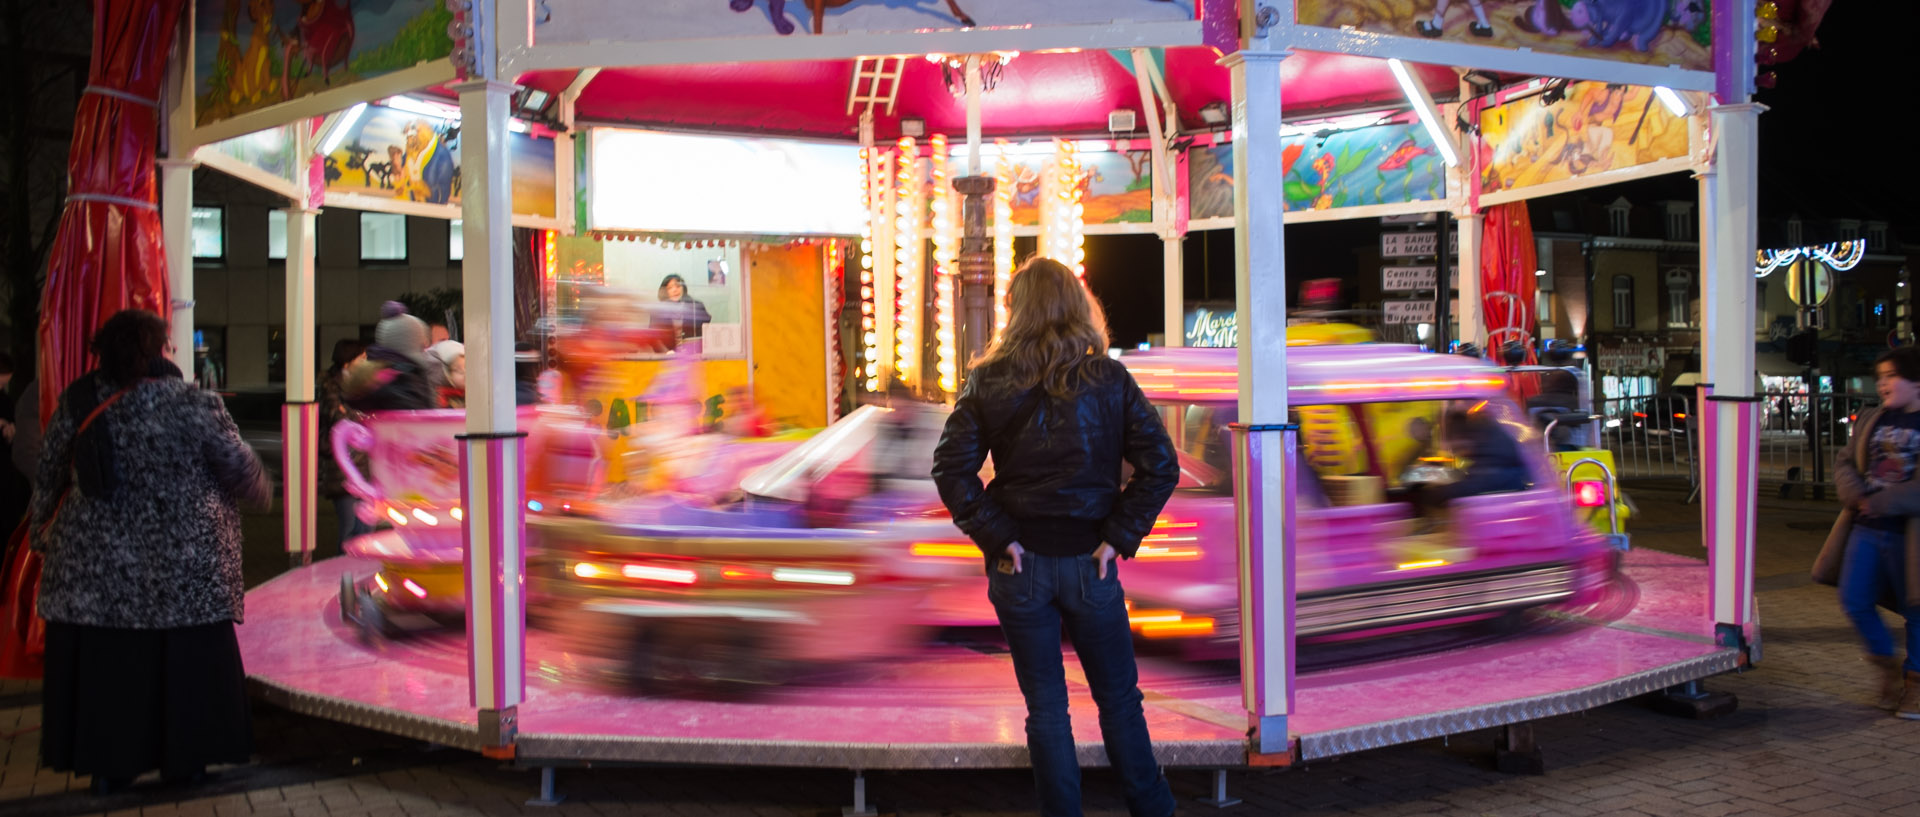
142	479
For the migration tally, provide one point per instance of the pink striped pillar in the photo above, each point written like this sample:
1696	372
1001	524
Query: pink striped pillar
493	496
1729	452
1264	515
299	477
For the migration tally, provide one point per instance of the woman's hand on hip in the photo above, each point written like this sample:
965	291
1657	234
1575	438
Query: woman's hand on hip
1015	551
1103	556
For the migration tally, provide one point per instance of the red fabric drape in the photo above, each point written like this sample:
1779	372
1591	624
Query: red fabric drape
1507	264
108	255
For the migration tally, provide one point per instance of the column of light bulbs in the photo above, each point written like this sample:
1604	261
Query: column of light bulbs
909	209
1002	235
869	333
946	256
1061	213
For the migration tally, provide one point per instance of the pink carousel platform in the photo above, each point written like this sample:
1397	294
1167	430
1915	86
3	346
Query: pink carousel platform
955	705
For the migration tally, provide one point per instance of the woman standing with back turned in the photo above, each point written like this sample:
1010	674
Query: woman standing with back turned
142	477
1059	417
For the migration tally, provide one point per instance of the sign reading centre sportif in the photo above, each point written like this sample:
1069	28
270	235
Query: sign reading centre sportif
1414	245
1408	311
1417	278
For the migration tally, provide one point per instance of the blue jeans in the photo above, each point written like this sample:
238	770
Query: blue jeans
1033	605
1872	570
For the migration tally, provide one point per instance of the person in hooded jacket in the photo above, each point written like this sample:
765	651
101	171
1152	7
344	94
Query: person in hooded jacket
396	374
142	481
1059	418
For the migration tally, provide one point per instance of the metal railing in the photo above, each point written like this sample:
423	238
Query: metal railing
1658	436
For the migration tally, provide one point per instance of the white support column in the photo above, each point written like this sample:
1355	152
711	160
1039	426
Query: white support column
176	225
300	426
176	203
1264	497
1731	441
493	491
1172	276
1473	325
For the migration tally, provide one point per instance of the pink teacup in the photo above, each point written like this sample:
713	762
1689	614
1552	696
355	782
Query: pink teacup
414	458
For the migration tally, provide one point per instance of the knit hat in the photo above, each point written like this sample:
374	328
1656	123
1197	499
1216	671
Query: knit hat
402	333
445	353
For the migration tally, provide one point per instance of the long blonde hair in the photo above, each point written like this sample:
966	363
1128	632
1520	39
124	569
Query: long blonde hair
1054	329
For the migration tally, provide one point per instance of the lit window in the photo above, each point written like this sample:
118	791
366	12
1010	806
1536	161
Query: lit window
209	234
1679	298
383	237
277	235
456	245
1623	302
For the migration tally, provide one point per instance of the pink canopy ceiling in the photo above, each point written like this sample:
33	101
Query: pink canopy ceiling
1039	94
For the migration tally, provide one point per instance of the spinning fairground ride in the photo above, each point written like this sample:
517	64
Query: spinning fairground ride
757	259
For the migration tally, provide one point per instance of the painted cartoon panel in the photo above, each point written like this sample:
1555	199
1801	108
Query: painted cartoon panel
1657	32
1116	187
1596	127
251	54
578	21
271	151
1382	164
402	155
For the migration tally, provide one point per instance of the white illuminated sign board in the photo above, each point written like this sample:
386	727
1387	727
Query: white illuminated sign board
1409	311
667	182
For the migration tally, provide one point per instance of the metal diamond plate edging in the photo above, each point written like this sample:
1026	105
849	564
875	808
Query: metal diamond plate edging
367	716
723	752
1452	722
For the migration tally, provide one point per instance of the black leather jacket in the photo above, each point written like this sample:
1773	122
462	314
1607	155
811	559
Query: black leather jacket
1055	458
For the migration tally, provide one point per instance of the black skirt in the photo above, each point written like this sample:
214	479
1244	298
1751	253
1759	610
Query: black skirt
119	703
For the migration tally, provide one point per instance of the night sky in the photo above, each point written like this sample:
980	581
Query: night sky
1841	139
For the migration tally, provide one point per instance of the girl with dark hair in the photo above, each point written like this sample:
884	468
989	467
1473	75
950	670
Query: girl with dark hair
1059	417
333	408
142	481
687	317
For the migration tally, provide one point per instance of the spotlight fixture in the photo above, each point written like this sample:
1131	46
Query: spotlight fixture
1214	113
913	127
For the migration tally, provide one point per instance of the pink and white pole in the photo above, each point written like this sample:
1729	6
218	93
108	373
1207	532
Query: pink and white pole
300	417
1730	427
493	489
1264	498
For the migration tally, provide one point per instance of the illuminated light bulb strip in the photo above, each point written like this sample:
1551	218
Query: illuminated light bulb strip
836	300
1002	236
946	256
1062	215
869	332
1839	256
909	212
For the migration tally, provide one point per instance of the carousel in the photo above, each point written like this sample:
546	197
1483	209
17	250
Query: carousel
757	245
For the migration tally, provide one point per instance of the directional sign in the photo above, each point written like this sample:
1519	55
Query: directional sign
1416	244
1409	311
1409	279
1417	278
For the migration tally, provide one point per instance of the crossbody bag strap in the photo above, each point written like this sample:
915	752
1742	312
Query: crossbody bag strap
77	431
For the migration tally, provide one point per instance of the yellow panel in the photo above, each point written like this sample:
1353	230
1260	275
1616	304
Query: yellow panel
788	333
620	404
1390	424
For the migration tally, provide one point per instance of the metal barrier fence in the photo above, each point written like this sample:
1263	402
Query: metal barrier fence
1658	436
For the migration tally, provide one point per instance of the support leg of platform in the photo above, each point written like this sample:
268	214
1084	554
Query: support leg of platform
1693	700
547	797
1219	798
860	807
1517	753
